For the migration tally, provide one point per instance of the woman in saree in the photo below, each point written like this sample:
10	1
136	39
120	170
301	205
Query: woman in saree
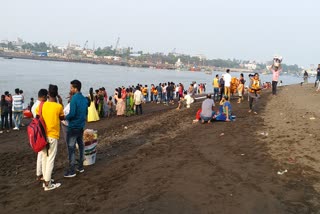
241	88
92	111
121	105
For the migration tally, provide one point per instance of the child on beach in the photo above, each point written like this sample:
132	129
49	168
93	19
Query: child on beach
31	103
110	107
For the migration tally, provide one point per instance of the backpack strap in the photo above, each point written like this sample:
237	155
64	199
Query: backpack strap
40	114
40	108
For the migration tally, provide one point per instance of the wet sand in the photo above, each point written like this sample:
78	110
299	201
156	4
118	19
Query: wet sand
163	163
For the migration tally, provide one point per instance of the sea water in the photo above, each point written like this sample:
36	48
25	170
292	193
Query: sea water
32	75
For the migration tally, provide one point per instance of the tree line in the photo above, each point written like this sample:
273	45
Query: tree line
170	58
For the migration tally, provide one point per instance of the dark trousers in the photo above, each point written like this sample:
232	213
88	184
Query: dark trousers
4	121
221	92
317	79
274	87
253	98
10	119
75	136
140	109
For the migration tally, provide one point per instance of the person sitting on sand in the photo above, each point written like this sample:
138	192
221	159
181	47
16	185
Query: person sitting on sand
224	113
207	112
186	101
255	87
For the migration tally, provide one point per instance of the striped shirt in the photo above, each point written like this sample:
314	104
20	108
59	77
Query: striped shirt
17	102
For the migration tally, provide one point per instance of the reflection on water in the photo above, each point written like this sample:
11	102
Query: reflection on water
32	75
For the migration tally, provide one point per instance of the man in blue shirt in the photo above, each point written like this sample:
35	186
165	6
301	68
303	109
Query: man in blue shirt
76	118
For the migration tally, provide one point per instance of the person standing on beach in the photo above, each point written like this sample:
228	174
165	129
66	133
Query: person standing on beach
42	97
255	87
227	83
241	88
215	85
137	98
4	110
17	108
275	77
221	85
76	121
9	100
52	113
305	77
318	77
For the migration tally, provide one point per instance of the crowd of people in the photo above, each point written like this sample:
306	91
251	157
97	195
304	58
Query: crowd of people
127	101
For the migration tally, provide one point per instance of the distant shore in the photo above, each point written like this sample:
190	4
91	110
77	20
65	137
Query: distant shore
14	55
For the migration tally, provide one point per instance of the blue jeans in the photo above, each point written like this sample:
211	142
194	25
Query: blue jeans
17	117
216	93
75	136
206	119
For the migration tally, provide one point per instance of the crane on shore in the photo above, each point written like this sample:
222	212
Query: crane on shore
117	44
85	45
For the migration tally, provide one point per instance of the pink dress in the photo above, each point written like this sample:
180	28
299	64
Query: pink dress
120	107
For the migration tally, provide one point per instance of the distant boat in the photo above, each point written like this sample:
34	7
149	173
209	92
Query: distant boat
208	72
194	68
8	57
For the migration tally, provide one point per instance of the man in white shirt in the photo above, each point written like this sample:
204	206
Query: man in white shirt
195	88
227	83
17	108
137	98
187	100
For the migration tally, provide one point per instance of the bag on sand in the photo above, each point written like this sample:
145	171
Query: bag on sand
37	132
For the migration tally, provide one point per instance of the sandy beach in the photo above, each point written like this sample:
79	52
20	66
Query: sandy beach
161	162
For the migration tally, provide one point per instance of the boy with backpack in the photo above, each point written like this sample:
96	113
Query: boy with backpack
42	97
52	113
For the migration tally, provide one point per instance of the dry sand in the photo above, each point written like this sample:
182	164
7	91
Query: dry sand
162	163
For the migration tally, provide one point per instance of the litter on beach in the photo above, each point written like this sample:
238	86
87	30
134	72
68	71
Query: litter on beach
312	118
221	134
282	172
264	133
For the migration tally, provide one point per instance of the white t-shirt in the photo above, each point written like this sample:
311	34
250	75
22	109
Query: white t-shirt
66	111
188	99
34	107
137	97
227	80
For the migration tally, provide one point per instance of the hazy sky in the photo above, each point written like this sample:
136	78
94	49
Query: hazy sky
242	29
